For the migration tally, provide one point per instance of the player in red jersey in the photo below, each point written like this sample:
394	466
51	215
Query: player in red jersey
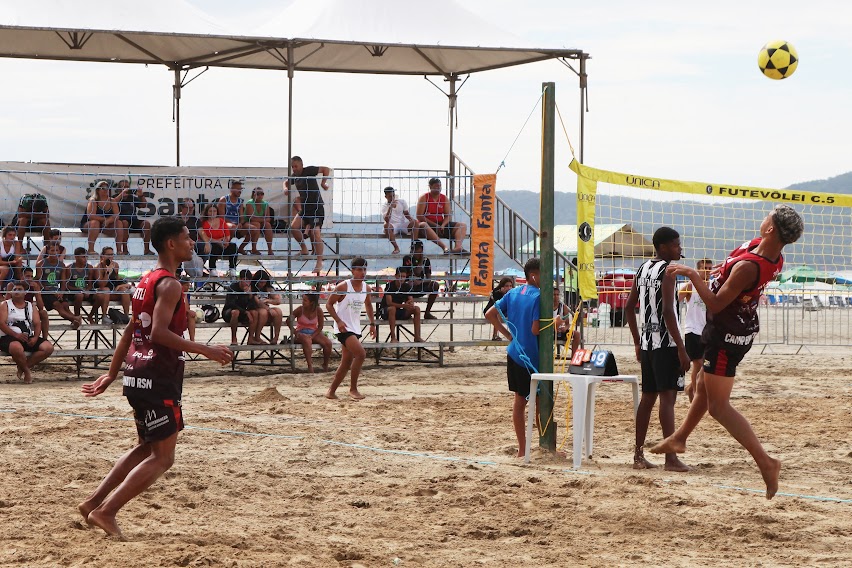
152	348
732	325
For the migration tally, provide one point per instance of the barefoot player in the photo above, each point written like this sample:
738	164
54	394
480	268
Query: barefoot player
732	324
660	349
344	307
152	347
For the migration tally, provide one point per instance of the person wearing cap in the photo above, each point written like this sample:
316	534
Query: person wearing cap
130	199
420	280
434	209
232	210
398	221
308	206
257	219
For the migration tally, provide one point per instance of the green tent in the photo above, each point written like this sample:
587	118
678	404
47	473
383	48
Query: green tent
617	240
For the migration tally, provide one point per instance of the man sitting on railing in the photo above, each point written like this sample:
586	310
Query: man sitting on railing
398	221
435	210
398	304
419	273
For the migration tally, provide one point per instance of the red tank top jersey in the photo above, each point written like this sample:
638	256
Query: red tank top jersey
153	372
740	317
435	209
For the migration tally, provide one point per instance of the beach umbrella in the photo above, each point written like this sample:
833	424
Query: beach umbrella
806	274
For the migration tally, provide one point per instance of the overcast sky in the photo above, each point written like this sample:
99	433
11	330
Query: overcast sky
674	91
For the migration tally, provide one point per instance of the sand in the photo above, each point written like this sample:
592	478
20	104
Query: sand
422	473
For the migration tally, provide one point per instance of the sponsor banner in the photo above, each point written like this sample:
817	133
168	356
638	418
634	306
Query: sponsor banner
68	187
482	233
713	189
586	192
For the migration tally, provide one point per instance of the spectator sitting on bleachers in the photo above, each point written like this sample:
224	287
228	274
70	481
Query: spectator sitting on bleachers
257	220
130	199
266	298
398	304
420	277
11	256
20	325
191	316
52	275
232	210
101	216
34	295
215	232
82	283
501	289
110	283
33	215
398	221
435	210
54	237
238	307
310	319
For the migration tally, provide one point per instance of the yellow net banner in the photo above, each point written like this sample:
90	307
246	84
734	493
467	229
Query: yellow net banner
482	233
586	192
711	189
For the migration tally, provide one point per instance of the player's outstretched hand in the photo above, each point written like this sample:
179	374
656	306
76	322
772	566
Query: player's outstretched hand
222	354
682	270
97	387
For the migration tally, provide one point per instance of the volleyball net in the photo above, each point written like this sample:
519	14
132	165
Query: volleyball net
806	304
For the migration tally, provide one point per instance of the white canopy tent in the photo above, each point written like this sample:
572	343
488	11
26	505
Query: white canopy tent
401	37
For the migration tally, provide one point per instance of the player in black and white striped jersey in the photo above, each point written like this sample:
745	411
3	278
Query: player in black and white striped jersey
659	348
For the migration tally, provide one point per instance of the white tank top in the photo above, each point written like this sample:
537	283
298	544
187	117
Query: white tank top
696	314
4	253
349	308
18	314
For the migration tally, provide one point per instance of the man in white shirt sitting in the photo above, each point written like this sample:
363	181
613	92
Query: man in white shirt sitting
398	221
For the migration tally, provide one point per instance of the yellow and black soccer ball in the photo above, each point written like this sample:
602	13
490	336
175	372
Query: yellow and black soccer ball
778	59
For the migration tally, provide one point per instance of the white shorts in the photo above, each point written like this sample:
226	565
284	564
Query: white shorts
400	228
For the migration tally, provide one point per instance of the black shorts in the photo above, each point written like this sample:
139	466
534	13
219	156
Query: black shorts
694	347
420	288
7	340
50	299
722	360
342	337
243	317
519	378
401	314
312	216
661	370
158	420
135	224
446	232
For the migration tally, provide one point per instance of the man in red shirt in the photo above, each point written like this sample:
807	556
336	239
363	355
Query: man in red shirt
152	348
732	324
435	210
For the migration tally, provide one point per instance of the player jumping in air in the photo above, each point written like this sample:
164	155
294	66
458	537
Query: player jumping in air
732	324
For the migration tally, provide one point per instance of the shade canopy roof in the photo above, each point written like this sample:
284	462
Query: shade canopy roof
617	240
405	37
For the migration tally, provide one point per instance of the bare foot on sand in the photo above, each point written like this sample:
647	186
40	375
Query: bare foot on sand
330	394
85	508
325	369
28	377
639	462
669	446
770	477
674	464
354	394
106	522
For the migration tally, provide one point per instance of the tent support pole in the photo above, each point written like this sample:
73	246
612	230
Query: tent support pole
176	94
584	83
290	69
452	97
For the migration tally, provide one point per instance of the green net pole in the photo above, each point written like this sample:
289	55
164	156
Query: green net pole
546	337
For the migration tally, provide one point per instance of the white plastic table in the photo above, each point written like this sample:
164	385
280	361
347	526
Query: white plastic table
583	389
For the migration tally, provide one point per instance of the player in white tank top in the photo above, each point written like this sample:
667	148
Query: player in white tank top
693	324
344	306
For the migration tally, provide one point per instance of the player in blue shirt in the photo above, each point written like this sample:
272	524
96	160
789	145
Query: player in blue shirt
521	306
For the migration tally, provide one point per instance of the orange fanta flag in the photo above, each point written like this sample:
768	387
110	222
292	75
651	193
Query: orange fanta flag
482	233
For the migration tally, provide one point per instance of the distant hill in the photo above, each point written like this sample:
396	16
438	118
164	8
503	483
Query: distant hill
836	184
